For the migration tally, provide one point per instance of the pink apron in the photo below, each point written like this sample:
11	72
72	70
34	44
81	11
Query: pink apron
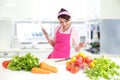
62	46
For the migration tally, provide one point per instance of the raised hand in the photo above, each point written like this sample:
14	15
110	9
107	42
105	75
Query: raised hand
82	44
45	33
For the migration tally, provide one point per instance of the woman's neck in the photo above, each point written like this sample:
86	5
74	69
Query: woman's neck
65	28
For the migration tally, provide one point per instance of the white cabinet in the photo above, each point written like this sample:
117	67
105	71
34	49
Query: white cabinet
8	9
18	9
27	9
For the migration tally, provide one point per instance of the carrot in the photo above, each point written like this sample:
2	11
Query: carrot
46	66
40	71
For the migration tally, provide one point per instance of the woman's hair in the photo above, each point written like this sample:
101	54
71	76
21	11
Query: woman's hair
64	14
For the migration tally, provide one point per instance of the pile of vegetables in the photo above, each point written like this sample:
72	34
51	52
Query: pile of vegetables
79	61
95	68
29	63
104	68
26	62
44	68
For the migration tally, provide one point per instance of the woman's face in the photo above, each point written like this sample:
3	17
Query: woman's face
64	23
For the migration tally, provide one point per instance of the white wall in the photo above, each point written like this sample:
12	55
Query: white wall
93	9
110	9
5	33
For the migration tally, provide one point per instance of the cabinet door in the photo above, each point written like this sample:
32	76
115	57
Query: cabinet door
27	9
18	9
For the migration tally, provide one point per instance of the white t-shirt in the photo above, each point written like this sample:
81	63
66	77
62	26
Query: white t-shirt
74	38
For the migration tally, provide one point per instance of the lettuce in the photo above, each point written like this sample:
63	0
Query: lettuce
26	62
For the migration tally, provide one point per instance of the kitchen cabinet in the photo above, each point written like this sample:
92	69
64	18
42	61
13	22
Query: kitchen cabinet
110	37
18	9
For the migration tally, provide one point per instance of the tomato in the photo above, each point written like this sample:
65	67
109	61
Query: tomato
88	59
5	63
79	61
91	65
73	59
68	67
83	65
68	63
94	61
75	69
81	54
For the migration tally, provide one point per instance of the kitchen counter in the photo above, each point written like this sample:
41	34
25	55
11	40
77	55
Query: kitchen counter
6	74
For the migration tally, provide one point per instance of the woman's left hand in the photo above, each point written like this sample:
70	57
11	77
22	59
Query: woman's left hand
81	44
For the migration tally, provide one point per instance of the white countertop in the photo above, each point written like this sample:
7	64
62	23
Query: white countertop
63	74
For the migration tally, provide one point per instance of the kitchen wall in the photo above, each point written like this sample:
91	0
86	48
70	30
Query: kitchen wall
110	9
5	33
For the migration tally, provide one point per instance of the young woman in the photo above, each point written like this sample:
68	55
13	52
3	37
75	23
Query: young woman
65	36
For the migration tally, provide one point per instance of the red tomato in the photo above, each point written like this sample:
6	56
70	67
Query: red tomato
83	65
80	58
5	63
79	61
88	59
75	69
68	67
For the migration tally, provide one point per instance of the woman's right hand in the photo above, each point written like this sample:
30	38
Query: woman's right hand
45	33
51	42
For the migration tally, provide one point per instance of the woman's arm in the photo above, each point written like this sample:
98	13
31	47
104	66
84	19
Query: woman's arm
76	40
50	41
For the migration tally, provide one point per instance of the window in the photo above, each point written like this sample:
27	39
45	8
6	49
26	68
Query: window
28	31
